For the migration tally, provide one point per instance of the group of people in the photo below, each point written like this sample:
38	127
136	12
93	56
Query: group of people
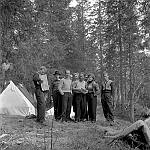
79	91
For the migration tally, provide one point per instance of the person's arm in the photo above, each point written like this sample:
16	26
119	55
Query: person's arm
75	88
113	93
60	87
71	87
97	89
51	88
74	85
112	89
101	88
84	91
48	80
37	79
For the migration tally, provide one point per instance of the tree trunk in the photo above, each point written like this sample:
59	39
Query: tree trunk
131	82
120	48
100	40
2	72
83	29
125	86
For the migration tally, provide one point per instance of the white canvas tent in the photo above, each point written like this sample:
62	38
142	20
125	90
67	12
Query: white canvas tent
13	102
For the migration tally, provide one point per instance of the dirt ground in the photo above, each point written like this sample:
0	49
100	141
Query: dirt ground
26	134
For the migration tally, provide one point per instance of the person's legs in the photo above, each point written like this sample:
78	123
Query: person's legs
40	105
104	106
55	105
78	110
69	104
74	102
64	106
83	108
89	106
93	107
109	107
59	98
86	107
45	93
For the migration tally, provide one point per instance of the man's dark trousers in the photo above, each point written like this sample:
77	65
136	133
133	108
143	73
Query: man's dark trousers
80	103
57	105
66	106
84	108
92	105
40	105
106	100
74	102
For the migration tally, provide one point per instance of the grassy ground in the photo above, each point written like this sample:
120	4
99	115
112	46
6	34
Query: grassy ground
26	134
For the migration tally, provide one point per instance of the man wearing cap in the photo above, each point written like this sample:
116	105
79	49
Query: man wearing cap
39	96
65	89
107	95
56	95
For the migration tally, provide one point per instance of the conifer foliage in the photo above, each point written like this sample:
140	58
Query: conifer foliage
92	36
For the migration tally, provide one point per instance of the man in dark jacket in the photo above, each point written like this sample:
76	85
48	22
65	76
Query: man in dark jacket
107	96
39	97
56	96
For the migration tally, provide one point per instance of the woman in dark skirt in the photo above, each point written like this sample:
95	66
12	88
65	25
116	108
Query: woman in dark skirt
93	91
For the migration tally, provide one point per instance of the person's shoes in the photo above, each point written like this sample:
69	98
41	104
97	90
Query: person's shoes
37	120
112	123
62	120
69	120
107	123
83	120
93	121
90	119
77	120
57	120
44	123
30	116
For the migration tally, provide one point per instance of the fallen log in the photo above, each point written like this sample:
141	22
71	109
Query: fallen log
139	126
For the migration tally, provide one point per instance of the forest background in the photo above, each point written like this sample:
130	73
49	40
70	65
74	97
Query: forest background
92	36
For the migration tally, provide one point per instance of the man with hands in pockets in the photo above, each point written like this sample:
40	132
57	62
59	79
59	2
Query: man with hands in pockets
65	89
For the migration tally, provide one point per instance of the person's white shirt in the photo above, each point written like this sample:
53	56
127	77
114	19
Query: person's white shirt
44	84
81	85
